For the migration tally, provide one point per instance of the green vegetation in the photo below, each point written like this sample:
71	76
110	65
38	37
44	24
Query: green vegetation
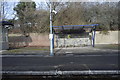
25	15
37	48
105	32
76	13
27	49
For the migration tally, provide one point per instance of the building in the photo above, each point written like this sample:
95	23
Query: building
75	35
4	27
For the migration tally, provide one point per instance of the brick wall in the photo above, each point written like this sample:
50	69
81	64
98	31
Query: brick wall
33	40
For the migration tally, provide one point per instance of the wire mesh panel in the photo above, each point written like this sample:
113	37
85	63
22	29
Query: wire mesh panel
73	40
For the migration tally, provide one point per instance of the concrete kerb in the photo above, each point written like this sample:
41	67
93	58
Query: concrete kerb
74	48
82	48
53	73
58	51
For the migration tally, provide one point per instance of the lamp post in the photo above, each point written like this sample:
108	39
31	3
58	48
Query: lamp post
1	19
51	32
2	10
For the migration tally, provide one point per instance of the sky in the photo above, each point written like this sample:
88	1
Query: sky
9	12
12	3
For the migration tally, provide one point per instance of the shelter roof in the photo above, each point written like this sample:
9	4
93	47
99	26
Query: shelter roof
73	28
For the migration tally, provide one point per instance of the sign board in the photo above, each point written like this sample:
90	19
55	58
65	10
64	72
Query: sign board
50	36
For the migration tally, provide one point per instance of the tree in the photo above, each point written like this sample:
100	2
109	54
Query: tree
41	21
105	14
25	14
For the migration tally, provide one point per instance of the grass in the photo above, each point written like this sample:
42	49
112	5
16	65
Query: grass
13	51
27	49
14	34
37	48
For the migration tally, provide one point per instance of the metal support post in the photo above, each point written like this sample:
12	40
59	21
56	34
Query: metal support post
94	36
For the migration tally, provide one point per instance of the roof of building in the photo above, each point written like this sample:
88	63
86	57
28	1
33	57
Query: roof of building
3	23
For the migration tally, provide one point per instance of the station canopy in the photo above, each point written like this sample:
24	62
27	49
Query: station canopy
73	29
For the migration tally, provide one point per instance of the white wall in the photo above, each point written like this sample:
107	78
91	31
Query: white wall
111	38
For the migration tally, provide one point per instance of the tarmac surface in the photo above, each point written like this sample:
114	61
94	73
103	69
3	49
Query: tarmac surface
69	59
66	61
